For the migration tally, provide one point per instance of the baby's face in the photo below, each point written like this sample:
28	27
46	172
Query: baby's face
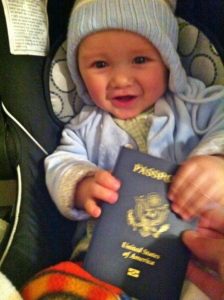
123	72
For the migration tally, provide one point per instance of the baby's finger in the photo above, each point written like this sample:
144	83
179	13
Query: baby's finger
92	208
107	180
193	201
190	212
182	180
103	193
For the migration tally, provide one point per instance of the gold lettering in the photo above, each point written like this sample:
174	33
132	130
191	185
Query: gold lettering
133	272
150	254
136	253
152	172
136	167
142	259
126	254
131	247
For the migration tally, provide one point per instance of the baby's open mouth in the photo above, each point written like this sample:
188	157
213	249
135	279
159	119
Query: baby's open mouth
125	98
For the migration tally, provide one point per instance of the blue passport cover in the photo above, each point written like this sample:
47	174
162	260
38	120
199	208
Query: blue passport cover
136	243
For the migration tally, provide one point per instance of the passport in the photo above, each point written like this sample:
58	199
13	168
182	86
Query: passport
136	242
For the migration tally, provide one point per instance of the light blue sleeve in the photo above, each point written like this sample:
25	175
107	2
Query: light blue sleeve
65	167
209	122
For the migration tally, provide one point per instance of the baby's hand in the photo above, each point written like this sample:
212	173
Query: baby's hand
102	186
198	186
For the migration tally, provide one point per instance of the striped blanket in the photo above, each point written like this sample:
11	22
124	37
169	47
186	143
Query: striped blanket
69	281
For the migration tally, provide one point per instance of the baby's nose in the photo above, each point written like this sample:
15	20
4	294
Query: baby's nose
121	79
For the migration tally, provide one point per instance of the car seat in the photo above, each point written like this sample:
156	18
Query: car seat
37	98
37	235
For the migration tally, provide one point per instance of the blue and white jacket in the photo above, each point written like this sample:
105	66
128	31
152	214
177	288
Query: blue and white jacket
182	126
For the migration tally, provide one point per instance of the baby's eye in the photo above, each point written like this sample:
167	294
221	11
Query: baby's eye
100	64
140	60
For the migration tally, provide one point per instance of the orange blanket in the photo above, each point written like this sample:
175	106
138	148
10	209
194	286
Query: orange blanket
68	280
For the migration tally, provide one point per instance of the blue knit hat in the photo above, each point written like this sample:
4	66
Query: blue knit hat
153	19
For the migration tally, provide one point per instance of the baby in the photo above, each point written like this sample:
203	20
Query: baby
123	60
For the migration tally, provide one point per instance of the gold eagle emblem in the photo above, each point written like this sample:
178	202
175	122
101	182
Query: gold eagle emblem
149	215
